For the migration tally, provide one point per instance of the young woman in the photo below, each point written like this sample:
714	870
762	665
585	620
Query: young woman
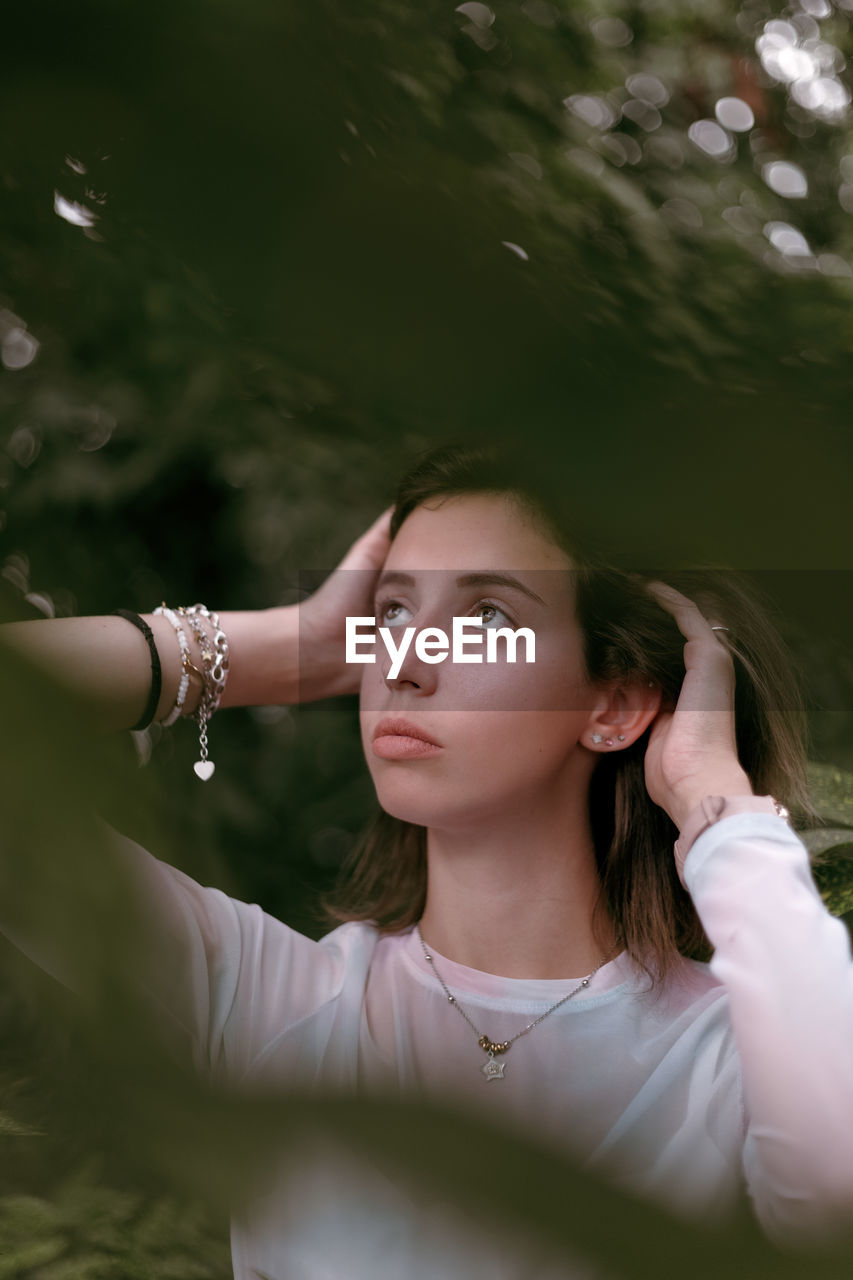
517	932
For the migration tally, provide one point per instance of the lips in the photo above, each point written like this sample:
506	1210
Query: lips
395	739
394	727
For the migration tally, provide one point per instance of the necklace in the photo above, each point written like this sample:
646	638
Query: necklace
491	1069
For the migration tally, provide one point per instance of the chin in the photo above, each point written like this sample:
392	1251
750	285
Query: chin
426	806
408	809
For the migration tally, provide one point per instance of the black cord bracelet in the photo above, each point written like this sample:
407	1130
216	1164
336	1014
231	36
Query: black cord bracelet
156	670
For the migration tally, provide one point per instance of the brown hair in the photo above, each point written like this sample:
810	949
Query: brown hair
626	636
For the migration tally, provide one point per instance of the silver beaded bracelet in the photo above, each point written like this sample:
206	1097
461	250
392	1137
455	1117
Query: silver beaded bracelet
215	659
214	650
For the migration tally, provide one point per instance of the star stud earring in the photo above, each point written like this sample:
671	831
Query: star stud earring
596	737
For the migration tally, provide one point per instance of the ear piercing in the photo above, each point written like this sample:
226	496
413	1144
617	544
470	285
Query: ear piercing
608	742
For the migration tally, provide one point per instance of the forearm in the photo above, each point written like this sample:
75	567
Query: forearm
106	663
786	964
264	665
278	656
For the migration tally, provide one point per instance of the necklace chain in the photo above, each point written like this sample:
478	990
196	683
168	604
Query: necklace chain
493	1070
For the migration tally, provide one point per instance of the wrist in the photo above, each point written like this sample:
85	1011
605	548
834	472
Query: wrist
264	666
733	782
305	666
321	666
278	660
711	809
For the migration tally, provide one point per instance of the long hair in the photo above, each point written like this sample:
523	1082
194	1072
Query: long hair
627	636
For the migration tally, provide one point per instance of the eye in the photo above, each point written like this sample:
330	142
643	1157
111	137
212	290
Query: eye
388	613
496	615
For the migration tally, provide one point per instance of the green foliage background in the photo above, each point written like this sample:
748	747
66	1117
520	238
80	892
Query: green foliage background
320	238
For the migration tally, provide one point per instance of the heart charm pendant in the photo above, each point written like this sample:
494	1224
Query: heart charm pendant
204	769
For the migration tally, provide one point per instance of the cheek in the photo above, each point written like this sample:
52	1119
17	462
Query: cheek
373	691
553	683
549	684
502	758
519	745
491	759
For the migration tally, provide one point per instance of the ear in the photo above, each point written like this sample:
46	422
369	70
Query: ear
621	714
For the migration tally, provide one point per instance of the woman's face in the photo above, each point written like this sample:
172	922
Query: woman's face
504	732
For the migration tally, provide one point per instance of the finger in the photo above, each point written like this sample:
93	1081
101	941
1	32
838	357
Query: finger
691	622
710	678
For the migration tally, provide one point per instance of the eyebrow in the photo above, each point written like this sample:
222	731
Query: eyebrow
396	576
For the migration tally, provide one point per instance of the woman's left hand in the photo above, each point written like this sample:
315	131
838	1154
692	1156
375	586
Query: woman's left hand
692	750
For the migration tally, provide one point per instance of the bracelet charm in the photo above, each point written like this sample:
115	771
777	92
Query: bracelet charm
214	649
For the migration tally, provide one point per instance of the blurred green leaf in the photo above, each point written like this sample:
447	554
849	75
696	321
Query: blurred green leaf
24	1259
833	873
831	790
827	842
10	1127
831	847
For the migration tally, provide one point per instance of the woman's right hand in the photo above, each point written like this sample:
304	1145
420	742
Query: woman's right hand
347	592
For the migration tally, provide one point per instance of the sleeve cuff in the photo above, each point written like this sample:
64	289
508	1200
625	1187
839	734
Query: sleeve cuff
711	810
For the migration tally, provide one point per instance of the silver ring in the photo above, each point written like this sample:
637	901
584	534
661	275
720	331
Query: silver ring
719	628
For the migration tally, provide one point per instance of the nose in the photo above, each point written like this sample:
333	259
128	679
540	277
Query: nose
414	674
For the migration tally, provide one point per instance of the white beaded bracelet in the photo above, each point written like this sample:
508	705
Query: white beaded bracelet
184	685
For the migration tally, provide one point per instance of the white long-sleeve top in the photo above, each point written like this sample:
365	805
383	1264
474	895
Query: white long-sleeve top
736	1075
